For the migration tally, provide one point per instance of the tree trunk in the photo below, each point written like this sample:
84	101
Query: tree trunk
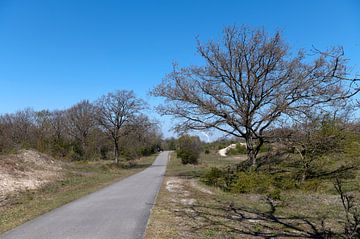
251	151
252	157
83	149
116	151
305	171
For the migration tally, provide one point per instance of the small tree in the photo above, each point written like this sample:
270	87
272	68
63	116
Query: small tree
249	81
189	149
313	138
352	212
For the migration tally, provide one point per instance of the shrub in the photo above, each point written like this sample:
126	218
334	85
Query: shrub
127	164
77	153
214	177
189	149
310	185
239	149
222	178
285	182
230	179
104	152
232	152
265	148
252	182
275	194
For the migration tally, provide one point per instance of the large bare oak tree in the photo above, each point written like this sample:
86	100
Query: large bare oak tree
249	80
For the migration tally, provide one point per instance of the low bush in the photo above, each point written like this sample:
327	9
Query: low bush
235	181
310	185
285	182
214	177
265	148
239	149
189	149
252	182
127	164
275	194
222	178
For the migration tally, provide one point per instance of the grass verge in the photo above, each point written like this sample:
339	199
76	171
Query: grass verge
80	179
187	208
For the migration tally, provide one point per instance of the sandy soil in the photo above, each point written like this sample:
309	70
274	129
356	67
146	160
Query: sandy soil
26	170
224	151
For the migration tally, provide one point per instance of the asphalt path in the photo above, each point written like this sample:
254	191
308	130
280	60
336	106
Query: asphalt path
120	210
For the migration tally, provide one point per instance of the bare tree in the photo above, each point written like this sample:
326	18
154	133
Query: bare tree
314	137
114	111
141	137
19	127
57	121
249	81
352	212
80	120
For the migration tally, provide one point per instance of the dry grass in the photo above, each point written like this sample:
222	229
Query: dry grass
186	208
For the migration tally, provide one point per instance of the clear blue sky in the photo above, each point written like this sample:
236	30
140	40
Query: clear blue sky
55	53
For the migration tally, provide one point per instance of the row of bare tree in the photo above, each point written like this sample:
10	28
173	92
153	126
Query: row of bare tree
112	126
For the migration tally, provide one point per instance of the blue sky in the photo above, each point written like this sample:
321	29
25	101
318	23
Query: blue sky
55	53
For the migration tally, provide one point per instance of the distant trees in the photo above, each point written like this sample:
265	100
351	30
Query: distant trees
86	130
18	128
249	81
169	144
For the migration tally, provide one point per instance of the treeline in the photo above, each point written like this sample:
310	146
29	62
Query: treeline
112	127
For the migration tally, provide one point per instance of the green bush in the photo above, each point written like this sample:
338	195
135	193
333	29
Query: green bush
232	152
285	182
214	177
189	149
127	164
104	150
310	185
252	182
240	182
275	194
240	149
265	148
256	182
223	179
